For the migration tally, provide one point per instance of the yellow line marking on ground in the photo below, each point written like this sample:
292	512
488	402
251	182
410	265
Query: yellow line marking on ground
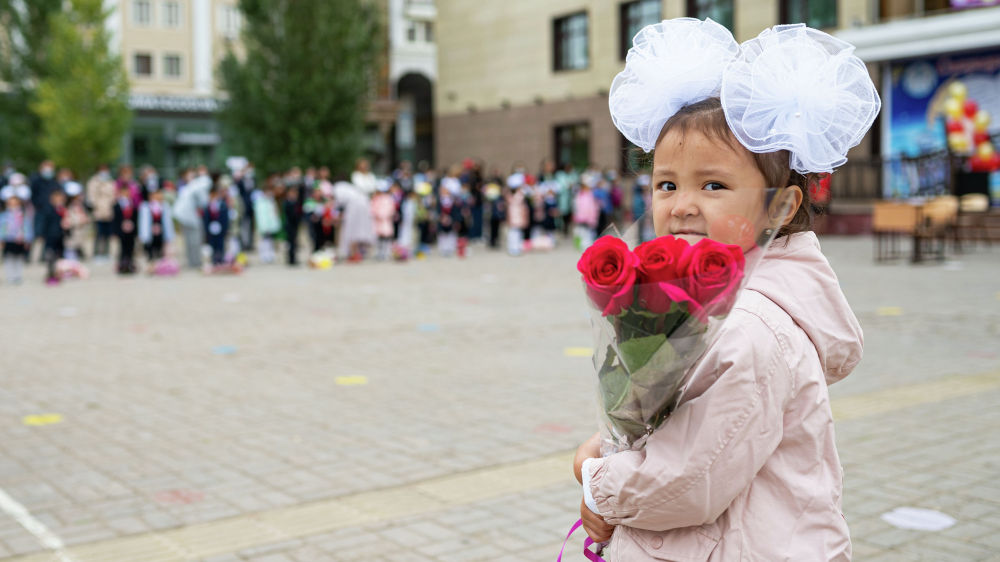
257	529
900	397
578	352
352	380
889	311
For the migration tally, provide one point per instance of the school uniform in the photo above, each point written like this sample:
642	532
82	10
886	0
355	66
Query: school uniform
125	227
216	221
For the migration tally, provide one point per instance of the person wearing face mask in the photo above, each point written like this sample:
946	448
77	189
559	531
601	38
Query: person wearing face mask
43	183
100	197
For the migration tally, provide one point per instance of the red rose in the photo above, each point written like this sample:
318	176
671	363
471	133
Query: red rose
661	273
609	272
714	272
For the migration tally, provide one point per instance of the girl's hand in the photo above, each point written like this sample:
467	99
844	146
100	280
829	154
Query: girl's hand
594	524
591	448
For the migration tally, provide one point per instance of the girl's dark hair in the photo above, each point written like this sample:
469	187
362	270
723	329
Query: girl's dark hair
707	117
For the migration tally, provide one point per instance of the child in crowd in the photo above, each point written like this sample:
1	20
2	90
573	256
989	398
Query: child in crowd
216	220
292	213
125	228
268	223
384	215
746	466
78	221
52	226
586	213
447	227
156	226
517	217
407	223
16	234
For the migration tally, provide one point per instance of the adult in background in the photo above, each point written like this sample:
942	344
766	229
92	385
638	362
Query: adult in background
43	184
100	197
363	178
149	181
247	187
357	231
191	200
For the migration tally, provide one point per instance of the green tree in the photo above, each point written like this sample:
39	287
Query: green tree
83	100
24	35
298	93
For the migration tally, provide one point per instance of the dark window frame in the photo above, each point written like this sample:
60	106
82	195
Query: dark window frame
135	64
785	13
692	11
558	38
557	145
625	34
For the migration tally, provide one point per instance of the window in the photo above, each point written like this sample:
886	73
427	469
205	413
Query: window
172	14
230	21
429	31
635	16
569	35
142	12
411	31
172	66
815	13
143	64
573	145
719	10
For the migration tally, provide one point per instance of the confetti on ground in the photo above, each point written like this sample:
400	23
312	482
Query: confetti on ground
139	329
42	419
231	298
429	328
917	519
67	311
352	380
224	349
889	311
178	497
578	352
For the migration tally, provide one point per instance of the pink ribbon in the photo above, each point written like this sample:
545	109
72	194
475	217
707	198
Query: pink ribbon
590	554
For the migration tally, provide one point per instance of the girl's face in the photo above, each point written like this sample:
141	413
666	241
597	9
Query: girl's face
706	188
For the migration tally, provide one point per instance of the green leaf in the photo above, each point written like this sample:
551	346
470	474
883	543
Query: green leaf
636	352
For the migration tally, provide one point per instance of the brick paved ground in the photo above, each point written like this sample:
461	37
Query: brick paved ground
308	415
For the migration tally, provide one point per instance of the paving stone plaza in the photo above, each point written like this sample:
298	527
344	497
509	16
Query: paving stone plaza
429	411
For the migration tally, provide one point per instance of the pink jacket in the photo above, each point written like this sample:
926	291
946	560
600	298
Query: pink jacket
586	211
383	211
746	468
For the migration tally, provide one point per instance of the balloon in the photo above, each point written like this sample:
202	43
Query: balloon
985	150
995	162
971	108
958	91
979	137
958	142
954	126
981	120
953	108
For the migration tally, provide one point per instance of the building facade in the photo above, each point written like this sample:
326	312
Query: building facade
412	75
170	49
522	81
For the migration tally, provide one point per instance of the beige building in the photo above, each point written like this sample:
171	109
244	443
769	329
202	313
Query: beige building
522	80
171	49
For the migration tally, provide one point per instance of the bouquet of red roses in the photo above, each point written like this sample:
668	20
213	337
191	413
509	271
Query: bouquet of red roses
654	308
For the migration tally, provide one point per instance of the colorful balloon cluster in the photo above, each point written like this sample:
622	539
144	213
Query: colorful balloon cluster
966	125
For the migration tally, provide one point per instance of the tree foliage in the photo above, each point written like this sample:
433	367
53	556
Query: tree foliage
24	36
298	93
83	99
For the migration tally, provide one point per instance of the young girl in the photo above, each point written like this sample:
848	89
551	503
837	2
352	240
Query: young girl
383	215
268	223
746	467
156	226
16	233
78	220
